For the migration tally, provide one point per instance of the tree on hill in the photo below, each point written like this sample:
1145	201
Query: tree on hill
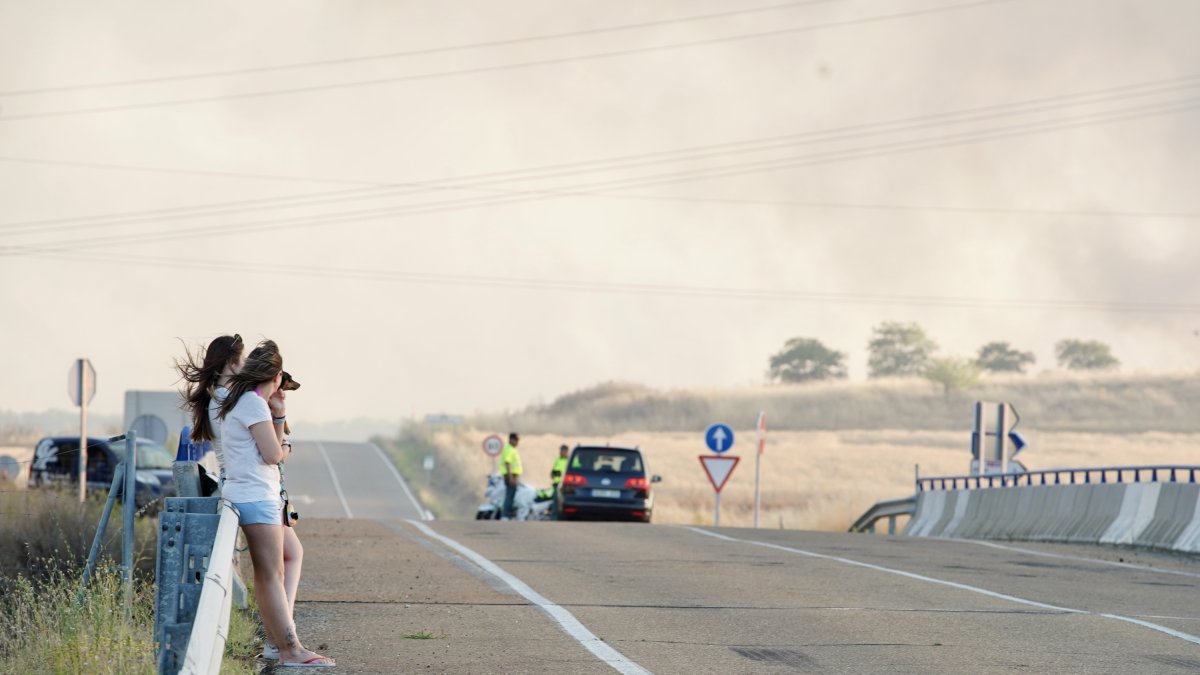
805	360
898	349
1085	355
953	374
1000	357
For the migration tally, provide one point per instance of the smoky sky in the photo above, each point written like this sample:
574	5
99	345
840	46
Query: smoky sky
449	207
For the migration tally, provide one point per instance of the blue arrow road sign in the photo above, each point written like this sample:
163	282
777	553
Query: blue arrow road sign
719	437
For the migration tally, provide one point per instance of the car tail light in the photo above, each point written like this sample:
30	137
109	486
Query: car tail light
570	509
574	479
637	484
638	514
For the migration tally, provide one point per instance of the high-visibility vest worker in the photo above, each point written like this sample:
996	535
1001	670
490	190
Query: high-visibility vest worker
510	460
560	466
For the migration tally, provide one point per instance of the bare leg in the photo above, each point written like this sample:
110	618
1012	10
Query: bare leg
293	559
266	552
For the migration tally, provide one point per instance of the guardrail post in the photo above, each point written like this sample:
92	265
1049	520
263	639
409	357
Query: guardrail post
113	490
128	506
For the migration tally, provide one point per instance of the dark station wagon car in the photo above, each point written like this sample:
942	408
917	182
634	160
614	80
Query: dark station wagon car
56	462
606	483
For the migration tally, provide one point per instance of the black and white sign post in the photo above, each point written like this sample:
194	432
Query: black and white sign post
81	387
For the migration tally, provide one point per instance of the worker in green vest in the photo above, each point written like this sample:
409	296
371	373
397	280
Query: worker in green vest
560	466
556	474
510	469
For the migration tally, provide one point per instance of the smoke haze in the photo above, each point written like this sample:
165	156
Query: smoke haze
381	220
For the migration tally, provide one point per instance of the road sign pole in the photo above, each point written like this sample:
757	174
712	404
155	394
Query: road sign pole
761	425
717	510
83	449
757	474
81	374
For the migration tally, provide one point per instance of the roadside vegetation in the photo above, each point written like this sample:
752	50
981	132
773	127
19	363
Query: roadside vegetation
834	448
446	492
47	625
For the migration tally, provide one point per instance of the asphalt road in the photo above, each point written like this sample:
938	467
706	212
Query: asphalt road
384	592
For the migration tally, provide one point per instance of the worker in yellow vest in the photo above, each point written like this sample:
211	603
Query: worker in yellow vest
510	470
556	474
560	466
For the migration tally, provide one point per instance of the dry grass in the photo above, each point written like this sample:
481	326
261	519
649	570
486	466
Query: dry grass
817	480
1111	403
836	448
47	532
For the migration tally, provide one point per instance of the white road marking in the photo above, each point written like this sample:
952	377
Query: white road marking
1154	626
911	575
1140	568
425	515
333	475
953	584
567	621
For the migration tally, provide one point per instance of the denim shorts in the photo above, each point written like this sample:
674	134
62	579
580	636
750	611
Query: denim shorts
269	512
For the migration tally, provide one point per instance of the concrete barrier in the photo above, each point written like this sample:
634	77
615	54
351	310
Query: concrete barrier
1152	515
1174	512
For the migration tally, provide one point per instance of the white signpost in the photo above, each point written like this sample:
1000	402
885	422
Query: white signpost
718	468
761	425
81	388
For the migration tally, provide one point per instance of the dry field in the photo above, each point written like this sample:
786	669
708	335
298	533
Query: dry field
820	480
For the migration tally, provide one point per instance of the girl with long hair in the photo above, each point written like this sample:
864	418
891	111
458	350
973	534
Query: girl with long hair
252	417
206	387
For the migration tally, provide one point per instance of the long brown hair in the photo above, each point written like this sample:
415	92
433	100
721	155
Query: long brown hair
202	379
262	365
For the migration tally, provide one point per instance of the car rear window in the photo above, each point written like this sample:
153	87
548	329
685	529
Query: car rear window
607	460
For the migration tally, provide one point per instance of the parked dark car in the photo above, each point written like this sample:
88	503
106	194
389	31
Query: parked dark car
56	462
607	484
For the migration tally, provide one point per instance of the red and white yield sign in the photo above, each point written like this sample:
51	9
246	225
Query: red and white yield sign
718	468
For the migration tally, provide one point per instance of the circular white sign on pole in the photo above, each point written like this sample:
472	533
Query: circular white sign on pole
492	445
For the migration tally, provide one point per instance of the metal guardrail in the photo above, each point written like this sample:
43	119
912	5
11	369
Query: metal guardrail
210	627
1086	476
890	509
194	583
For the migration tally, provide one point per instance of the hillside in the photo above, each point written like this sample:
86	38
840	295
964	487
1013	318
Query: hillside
1060	402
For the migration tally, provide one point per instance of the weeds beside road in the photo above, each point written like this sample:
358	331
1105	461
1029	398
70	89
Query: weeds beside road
45	536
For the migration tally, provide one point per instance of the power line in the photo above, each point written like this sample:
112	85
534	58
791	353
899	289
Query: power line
412	52
375	190
498	68
591	189
619	288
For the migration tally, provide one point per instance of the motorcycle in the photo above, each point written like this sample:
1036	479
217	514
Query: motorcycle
529	504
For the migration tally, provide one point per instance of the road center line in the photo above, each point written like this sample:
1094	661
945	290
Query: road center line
333	475
952	584
567	621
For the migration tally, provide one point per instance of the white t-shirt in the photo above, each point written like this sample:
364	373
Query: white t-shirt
214	407
248	478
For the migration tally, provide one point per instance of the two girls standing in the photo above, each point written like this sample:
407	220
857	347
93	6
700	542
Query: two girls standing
245	418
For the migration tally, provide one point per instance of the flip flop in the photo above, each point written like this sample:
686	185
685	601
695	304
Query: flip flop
314	662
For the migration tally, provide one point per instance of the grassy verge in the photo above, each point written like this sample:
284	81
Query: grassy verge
448	492
46	626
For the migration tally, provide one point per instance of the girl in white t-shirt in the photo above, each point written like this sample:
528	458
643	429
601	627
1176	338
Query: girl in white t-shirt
252	418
